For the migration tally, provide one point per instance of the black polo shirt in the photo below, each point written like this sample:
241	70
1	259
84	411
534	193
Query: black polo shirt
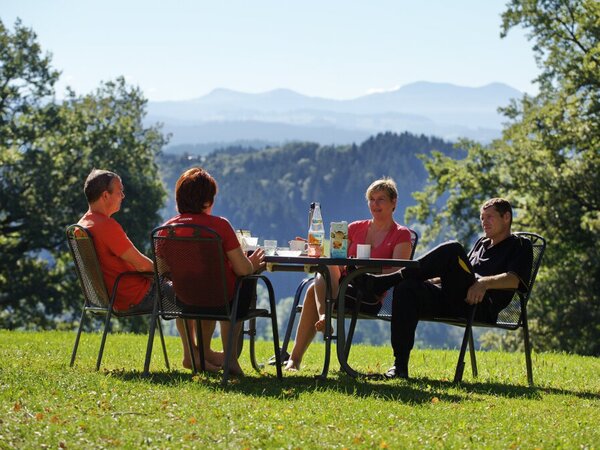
512	255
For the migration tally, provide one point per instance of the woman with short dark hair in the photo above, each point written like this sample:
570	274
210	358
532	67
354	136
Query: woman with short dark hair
195	193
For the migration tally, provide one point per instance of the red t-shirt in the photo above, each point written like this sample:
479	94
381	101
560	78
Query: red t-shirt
111	242
224	229
357	234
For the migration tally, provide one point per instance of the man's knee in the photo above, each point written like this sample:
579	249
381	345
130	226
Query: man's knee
405	293
454	246
450	249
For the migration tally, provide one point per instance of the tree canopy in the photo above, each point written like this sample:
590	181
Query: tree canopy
547	163
47	148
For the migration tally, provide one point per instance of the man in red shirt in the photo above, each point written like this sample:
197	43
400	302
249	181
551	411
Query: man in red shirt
116	253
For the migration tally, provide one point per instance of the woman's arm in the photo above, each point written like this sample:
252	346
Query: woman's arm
401	251
242	265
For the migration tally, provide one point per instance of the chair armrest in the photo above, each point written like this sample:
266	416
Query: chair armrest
266	282
132	273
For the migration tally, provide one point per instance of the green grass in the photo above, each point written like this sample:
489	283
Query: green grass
46	404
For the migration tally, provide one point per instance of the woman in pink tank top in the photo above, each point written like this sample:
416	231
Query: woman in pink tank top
387	239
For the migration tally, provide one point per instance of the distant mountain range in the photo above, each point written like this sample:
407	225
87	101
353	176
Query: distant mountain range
436	109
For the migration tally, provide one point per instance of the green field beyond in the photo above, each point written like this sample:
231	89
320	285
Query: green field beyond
46	404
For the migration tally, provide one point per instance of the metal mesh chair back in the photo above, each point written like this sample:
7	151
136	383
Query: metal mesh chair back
511	316
191	258
87	266
414	240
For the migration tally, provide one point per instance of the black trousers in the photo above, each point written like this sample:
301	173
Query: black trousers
416	298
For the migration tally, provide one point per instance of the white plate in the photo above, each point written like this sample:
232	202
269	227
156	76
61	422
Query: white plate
289	252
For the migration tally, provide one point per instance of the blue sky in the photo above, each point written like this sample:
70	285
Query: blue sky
184	49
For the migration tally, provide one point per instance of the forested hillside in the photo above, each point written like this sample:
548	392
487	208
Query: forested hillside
269	191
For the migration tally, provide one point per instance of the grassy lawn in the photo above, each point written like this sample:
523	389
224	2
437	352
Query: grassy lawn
46	404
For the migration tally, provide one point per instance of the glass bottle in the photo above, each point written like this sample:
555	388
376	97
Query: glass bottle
316	233
311	210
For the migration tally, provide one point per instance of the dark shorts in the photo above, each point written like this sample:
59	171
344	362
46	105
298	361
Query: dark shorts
247	297
147	303
369	304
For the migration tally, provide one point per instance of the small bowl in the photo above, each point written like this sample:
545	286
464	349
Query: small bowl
288	252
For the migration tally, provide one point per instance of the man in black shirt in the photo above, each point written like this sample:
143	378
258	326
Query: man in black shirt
448	281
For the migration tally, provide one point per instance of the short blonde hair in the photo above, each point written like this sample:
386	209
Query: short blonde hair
385	184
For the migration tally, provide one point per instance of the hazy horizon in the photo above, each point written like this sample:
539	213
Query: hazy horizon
282	88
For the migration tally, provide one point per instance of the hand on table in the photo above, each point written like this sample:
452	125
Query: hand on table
257	259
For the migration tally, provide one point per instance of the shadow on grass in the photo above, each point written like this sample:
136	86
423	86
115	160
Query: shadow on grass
292	387
413	391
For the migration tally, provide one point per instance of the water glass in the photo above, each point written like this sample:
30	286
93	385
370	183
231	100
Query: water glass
270	246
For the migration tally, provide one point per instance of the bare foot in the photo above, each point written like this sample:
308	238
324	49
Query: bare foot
292	366
235	369
216	358
320	324
187	363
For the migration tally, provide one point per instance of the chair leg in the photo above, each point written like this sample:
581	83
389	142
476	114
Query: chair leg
275	325
186	330
460	365
200	340
106	326
240	347
252	334
351	330
292	319
76	346
276	344
162	340
228	351
472	355
527	349
150	344
288	333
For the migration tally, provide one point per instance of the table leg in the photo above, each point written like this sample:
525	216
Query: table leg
328	333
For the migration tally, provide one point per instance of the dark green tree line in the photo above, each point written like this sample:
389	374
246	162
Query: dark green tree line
548	164
47	148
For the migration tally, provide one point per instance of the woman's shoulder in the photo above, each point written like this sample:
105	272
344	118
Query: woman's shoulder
222	221
197	219
401	227
402	231
219	224
359	223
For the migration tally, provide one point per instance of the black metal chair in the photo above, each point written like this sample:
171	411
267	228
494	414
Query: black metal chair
97	301
353	314
191	260
513	317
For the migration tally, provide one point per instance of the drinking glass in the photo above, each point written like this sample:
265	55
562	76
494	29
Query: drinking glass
270	246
